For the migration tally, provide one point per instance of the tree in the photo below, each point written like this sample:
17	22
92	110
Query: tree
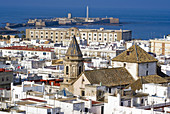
1	37
23	36
8	37
22	32
16	36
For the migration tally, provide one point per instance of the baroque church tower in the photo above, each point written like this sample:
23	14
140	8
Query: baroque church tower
73	62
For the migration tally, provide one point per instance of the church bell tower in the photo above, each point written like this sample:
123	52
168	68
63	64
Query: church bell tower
73	62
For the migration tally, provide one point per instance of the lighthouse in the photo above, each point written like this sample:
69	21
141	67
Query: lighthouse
87	15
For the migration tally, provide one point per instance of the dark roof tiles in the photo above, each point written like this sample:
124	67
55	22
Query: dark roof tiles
74	49
134	54
137	85
109	77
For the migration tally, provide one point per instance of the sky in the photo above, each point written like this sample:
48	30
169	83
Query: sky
122	4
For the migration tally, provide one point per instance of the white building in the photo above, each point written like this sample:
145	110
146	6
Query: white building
97	50
166	69
114	106
25	51
144	44
137	61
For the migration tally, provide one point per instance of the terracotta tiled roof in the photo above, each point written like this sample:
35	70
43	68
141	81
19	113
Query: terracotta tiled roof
74	49
32	99
134	54
137	85
109	77
26	48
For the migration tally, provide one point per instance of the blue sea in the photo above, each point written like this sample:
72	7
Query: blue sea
144	23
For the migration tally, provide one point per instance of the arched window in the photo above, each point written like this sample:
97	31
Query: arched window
147	73
67	70
124	65
79	70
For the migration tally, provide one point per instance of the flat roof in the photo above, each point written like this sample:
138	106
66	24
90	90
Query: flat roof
25	103
89	30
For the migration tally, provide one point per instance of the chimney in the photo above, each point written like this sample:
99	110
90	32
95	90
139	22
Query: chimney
90	101
119	99
22	86
132	102
32	83
43	86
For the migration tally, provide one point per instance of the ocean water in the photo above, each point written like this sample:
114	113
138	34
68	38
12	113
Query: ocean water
144	23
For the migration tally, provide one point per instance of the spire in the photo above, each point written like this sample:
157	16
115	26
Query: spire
74	49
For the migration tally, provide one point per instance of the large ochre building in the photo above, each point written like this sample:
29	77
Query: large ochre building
62	35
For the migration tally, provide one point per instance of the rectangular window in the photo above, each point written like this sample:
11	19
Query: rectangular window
147	73
82	93
44	53
86	109
110	90
165	93
16	96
